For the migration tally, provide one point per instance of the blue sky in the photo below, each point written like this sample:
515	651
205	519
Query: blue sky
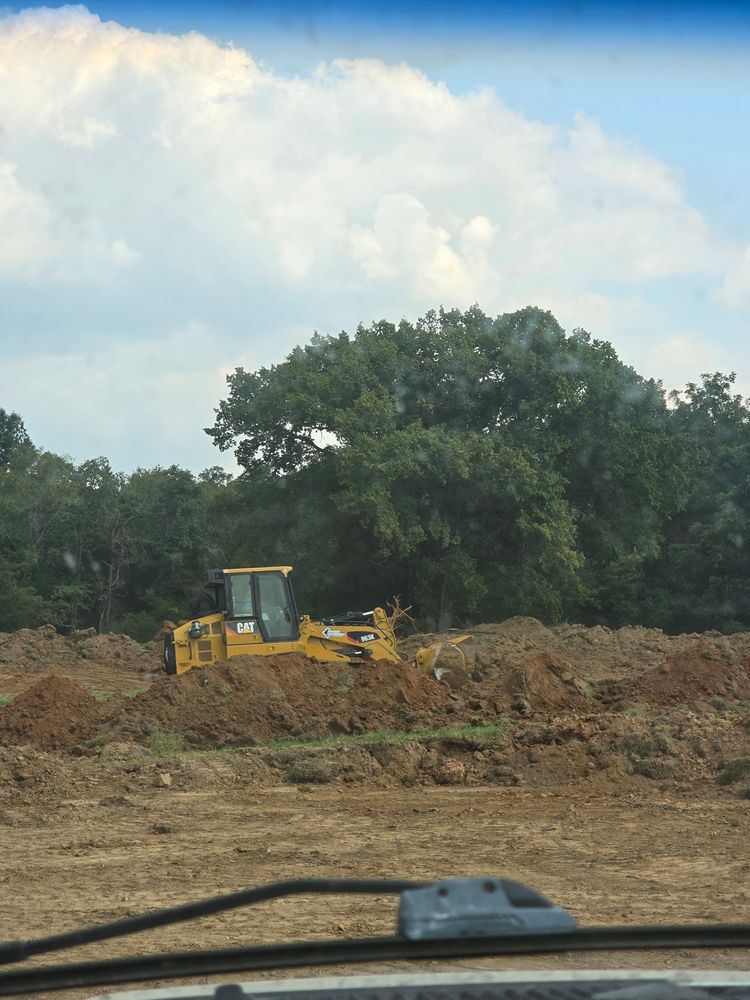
175	207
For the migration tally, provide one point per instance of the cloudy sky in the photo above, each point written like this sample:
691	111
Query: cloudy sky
183	191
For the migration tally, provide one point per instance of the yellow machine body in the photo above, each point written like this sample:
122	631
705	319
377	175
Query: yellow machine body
255	612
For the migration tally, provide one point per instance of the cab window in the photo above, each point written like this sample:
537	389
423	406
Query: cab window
240	587
275	607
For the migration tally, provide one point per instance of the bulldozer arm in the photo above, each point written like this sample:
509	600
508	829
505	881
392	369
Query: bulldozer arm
451	660
353	637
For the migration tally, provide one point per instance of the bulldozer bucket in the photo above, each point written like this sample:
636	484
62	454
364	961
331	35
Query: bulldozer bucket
451	660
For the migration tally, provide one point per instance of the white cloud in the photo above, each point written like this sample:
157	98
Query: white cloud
24	218
687	357
364	171
144	398
151	171
41	243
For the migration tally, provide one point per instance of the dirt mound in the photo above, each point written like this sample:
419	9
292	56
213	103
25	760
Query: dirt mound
53	714
157	642
110	662
253	698
36	781
701	672
542	683
519	628
546	683
598	653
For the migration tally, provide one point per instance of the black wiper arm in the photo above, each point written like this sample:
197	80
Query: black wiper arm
312	953
450	918
17	951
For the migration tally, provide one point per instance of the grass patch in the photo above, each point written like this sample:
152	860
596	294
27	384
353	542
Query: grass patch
163	743
101	695
639	712
6	699
344	681
169	744
154	751
394	736
311	772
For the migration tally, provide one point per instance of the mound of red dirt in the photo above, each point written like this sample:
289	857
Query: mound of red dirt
598	653
703	671
109	662
251	698
546	683
53	714
541	683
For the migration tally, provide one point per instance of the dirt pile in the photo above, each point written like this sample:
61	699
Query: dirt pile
595	654
545	683
253	698
53	714
555	735
699	673
602	753
110	662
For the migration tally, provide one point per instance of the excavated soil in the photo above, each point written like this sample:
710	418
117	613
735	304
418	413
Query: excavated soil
701	672
685	724
104	662
53	714
253	698
542	683
596	654
611	770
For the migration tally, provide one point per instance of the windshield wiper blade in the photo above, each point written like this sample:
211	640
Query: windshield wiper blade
331	952
17	951
449	918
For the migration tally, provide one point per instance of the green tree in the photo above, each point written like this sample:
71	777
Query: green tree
20	604
702	579
12	434
419	434
629	466
170	539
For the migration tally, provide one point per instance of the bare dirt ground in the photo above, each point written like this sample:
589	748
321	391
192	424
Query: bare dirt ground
618	783
654	857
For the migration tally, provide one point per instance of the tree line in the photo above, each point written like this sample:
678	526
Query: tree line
480	467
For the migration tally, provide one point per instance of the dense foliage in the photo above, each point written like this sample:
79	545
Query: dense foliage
479	467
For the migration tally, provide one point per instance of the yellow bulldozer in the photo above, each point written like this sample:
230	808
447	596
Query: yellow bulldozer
252	610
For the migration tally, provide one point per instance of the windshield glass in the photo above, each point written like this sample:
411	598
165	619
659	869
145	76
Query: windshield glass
274	606
374	458
240	589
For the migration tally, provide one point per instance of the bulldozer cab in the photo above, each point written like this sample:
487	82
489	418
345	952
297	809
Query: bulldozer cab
258	603
252	610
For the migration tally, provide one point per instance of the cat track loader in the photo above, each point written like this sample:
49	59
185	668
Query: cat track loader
252	610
